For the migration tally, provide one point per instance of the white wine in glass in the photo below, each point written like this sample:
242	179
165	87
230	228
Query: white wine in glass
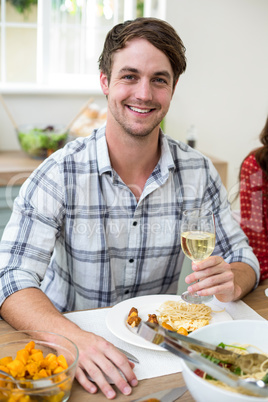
197	242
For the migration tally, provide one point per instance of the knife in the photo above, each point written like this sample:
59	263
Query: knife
128	355
168	395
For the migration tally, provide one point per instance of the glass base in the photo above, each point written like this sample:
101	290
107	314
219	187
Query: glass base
194	298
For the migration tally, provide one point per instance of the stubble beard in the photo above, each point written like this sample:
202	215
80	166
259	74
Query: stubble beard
137	130
140	133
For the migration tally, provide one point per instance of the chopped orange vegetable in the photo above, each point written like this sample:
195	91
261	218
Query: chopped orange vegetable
34	351
50	362
17	368
3	368
58	370
22	355
32	368
5	360
41	374
37	357
182	331
30	363
2	385
30	346
50	357
56	398
19	397
62	362
167	326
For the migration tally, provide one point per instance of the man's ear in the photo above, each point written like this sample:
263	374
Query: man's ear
104	83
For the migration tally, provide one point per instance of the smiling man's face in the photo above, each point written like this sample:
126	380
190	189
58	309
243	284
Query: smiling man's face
140	88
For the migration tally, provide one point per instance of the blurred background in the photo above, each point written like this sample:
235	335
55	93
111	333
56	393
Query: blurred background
49	53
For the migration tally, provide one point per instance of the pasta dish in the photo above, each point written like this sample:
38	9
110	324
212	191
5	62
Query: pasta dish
189	316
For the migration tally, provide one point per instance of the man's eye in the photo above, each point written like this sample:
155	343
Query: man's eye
128	77
161	80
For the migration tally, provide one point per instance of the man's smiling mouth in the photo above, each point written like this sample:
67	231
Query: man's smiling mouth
136	109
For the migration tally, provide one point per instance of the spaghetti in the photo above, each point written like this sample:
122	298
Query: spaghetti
186	315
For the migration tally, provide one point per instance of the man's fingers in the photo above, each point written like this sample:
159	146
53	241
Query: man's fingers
115	369
92	377
82	378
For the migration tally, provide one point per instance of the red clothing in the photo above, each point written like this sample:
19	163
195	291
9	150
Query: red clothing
253	205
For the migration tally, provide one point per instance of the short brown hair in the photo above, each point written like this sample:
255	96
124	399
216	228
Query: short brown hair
158	32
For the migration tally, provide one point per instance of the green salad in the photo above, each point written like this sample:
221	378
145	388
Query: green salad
41	142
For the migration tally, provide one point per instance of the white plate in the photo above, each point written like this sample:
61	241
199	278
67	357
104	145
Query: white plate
117	316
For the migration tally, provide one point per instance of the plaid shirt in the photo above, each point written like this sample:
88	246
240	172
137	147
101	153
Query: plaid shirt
78	232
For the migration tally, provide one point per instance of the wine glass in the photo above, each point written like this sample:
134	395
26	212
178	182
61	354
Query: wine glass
197	242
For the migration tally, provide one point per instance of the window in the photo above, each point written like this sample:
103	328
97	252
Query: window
56	43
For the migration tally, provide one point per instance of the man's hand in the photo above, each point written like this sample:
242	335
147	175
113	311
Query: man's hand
227	282
102	363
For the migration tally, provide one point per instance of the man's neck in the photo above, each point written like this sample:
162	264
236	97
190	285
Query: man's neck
134	159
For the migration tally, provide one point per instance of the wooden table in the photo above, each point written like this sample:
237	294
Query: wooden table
16	167
256	300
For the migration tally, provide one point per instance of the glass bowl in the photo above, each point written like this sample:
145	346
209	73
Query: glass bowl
37	360
40	141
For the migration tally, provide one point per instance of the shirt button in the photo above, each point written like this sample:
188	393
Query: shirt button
126	292
135	223
131	260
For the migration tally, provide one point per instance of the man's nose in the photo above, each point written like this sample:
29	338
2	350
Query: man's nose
143	90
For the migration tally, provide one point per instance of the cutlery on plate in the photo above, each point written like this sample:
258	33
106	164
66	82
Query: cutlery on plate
168	395
159	337
129	355
255	359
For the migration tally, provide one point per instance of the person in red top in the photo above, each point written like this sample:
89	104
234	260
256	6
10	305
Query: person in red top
254	200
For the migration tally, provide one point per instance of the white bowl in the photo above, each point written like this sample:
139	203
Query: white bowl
230	332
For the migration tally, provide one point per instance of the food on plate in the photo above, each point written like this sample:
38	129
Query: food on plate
183	331
40	142
152	318
260	374
177	315
31	364
133	318
167	326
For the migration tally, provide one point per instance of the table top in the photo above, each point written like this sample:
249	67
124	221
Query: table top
257	300
16	167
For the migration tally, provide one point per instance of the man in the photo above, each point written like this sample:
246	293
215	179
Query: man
99	221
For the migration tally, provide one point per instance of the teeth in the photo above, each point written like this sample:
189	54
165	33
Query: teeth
135	109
